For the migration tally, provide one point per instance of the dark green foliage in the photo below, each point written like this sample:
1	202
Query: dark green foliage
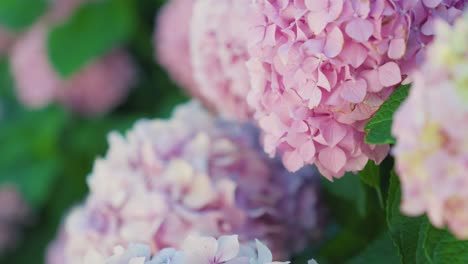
379	127
19	14
96	28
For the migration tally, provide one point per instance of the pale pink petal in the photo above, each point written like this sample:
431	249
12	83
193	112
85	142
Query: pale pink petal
354	91
359	29
317	21
389	74
334	43
333	132
333	159
293	161
397	49
307	151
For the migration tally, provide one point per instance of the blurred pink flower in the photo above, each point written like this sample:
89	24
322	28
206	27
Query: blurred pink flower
219	32
171	40
14	214
61	10
431	130
6	40
97	88
203	176
321	69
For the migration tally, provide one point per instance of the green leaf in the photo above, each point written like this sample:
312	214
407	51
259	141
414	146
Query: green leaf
19	14
421	257
381	251
370	175
441	247
403	230
346	243
348	188
93	30
379	127
33	179
30	157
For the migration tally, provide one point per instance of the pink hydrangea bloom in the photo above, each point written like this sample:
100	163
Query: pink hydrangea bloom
195	250
218	41
202	176
14	214
171	40
431	130
98	87
321	68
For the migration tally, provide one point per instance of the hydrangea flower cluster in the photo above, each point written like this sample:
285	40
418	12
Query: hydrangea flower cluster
432	144
191	174
219	35
14	214
195	250
321	68
172	43
95	89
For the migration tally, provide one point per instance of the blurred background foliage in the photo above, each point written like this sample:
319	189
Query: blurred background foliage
48	153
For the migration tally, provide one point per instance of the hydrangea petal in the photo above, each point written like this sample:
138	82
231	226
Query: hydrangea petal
389	74
359	29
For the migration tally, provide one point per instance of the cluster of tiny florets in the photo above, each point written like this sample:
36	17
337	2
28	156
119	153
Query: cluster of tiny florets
320	69
191	174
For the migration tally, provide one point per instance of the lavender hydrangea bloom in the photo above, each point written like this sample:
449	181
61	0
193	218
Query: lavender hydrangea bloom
192	174
431	130
320	69
195	250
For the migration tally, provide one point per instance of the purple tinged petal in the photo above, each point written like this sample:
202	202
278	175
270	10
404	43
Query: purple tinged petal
431	3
